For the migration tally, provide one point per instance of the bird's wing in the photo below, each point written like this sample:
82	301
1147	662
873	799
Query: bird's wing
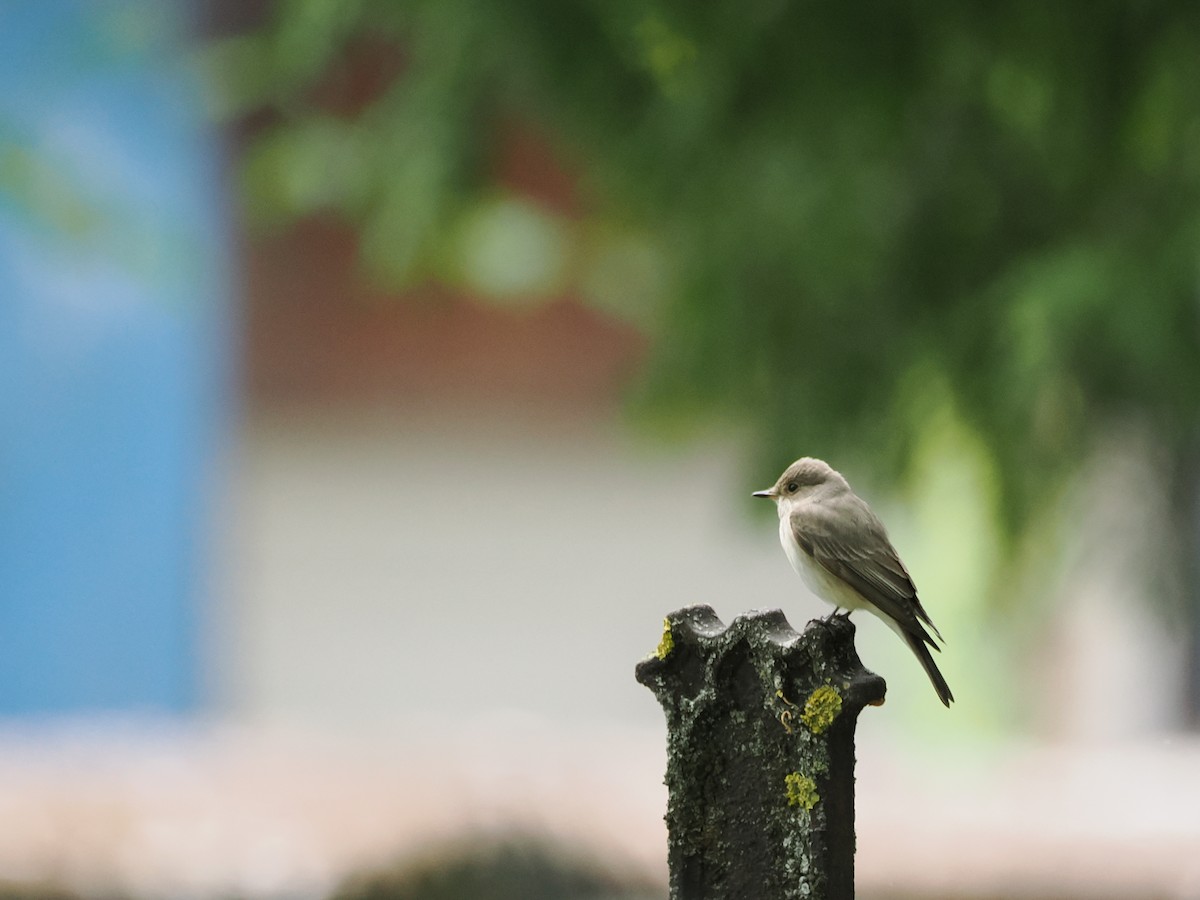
848	540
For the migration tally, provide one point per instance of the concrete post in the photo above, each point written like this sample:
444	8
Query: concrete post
760	754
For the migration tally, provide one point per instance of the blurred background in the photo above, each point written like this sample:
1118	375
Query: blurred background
375	375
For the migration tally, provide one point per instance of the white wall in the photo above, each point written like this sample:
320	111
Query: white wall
386	569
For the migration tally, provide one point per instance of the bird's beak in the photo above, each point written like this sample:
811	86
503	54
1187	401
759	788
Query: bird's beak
769	494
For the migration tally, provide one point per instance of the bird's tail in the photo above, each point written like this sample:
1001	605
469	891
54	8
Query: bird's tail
919	642
913	633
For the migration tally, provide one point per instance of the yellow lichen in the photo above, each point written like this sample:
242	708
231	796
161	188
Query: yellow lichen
821	708
667	644
801	790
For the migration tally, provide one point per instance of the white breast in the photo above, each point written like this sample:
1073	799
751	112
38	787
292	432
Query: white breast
816	578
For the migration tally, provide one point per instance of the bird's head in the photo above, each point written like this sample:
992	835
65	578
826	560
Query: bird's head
800	479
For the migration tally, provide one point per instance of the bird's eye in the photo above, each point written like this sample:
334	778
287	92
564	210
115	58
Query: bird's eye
792	487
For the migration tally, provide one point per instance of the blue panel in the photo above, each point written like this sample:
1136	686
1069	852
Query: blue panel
113	357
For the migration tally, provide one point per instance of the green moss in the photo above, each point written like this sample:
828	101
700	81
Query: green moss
667	644
801	790
821	708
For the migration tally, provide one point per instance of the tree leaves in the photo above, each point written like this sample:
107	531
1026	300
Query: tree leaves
1002	201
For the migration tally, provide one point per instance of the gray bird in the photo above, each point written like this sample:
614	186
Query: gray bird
841	550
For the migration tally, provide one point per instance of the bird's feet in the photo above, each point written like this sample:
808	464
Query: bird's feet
837	615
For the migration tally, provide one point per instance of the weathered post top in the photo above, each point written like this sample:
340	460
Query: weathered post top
760	754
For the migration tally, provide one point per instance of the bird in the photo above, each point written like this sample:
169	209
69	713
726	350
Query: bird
841	550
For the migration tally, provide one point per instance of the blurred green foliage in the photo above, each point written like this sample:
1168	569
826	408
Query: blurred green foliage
839	221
